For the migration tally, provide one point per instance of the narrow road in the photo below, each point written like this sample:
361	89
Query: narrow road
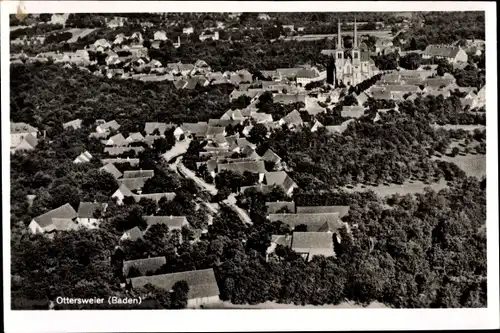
190	174
243	215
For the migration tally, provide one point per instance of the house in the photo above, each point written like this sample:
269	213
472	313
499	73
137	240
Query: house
315	222
317	125
116	140
132	235
341	210
271	157
29	142
18	131
198	129
293	119
83	158
106	127
131	161
305	76
172	222
352	111
150	127
289	98
277	206
169	196
144	266
116	151
261	118
101	45
282	179
214	130
289	27
138	173
88	213
252	166
60	219
309	244
135	137
213	36
75	124
115	23
188	30
203	288
481	97
178	133
263	16
133	184
110	168
122	192
160	35
453	54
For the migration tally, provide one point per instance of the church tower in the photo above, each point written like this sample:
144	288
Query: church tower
355	48
339	57
339	52
356	58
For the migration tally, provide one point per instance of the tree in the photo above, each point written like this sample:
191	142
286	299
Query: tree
258	134
410	61
179	295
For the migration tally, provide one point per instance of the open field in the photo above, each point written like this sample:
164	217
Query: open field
78	33
472	165
405	188
470	128
274	305
383	34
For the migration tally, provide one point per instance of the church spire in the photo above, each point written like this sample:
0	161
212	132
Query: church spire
355	45
339	38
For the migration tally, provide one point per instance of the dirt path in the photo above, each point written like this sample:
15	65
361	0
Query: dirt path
243	215
200	182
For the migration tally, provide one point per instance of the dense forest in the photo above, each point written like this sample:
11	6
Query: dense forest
45	96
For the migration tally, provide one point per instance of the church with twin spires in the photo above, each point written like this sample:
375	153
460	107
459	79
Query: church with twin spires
354	68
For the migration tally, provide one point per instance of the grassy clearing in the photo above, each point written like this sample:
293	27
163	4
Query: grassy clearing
408	187
472	165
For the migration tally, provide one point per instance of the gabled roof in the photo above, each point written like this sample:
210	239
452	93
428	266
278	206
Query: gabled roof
131	161
169	196
273	207
83	157
133	234
62	212
133	183
138	173
135	137
293	118
114	150
289	98
110	168
87	209
113	124
144	265
117	140
29	142
241	167
149	128
319	222
260	117
75	124
213	130
313	243
202	283
307	73
441	51
341	210
22	128
172	222
271	156
125	190
280	178
198	129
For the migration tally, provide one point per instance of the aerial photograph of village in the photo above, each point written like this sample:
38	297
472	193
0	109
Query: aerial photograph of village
253	160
